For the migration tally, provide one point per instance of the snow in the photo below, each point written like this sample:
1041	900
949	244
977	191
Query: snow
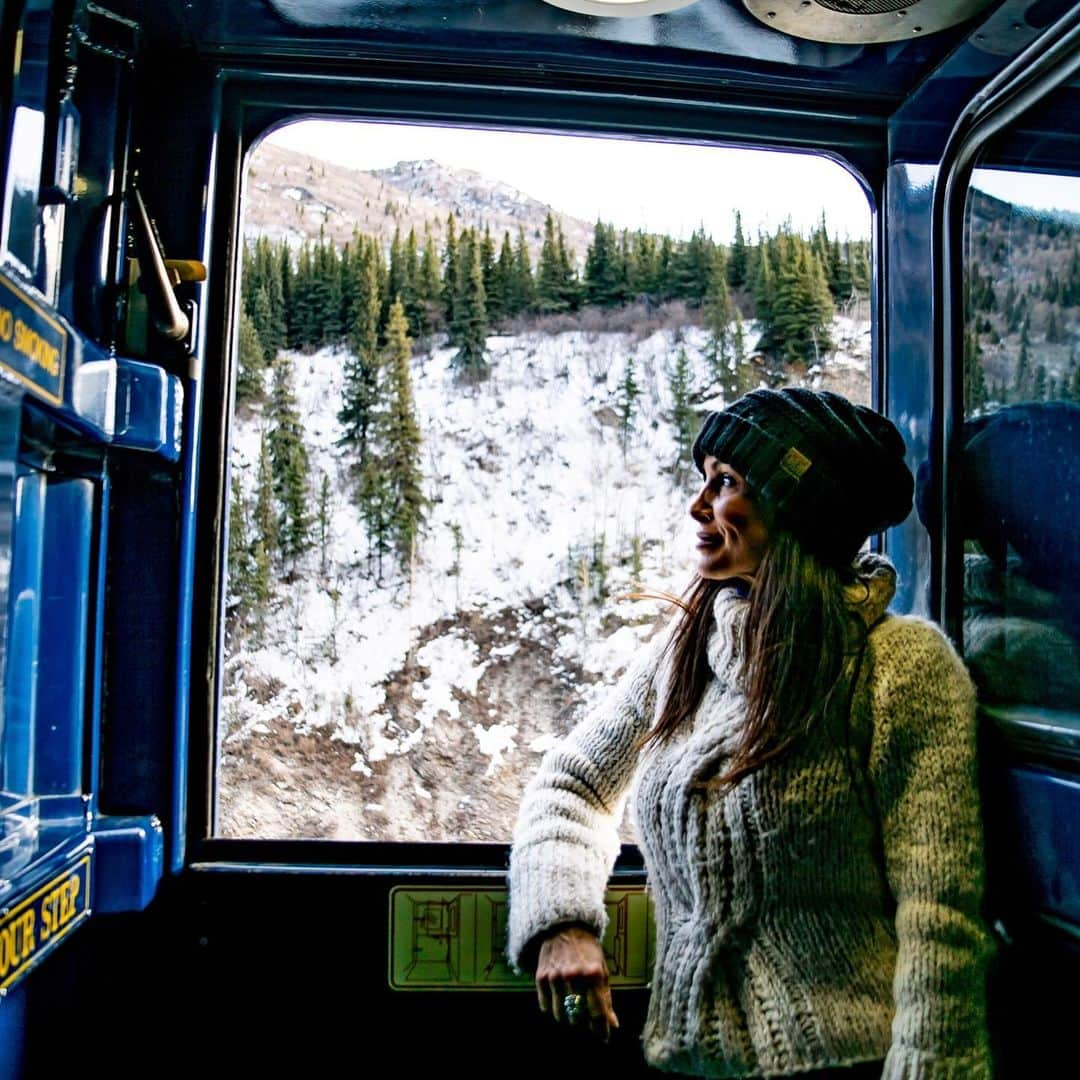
529	471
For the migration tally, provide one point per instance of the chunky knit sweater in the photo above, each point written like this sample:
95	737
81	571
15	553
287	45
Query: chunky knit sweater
823	911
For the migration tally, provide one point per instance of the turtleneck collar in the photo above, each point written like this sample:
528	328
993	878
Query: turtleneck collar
868	596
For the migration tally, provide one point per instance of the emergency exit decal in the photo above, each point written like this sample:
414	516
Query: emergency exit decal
33	345
30	929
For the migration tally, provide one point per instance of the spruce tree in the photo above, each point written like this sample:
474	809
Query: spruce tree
471	329
400	435
239	556
569	285
502	303
287	278
737	259
323	521
1023	381
289	461
264	518
376	510
487	271
262	320
602	282
450	274
251	362
717	310
629	392
975	392
430	285
524	286
549	273
360	390
683	419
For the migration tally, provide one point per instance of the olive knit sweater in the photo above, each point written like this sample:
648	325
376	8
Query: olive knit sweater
824	911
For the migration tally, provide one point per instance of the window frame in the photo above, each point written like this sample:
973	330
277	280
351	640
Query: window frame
252	103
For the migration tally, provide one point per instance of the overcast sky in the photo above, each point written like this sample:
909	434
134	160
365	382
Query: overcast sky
662	187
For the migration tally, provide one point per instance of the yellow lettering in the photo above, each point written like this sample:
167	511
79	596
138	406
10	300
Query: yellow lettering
6	949
46	919
7	324
71	890
36	349
27	926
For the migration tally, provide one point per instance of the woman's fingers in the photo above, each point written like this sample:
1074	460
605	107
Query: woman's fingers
572	981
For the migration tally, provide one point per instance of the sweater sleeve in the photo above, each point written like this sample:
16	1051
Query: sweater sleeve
566	838
923	768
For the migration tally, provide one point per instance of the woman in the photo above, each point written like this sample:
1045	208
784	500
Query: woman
804	785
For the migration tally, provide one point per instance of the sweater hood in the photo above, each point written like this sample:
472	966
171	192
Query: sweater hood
870	594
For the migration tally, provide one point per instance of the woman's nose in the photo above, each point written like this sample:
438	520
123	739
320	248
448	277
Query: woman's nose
699	508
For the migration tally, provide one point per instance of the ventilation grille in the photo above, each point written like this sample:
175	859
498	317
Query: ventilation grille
863	22
866	7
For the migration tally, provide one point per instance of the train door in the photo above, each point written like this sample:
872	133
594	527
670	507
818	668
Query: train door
92	391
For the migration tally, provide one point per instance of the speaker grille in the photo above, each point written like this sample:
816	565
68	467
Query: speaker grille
867	7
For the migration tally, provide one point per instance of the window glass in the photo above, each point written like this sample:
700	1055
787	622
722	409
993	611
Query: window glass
1020	464
470	366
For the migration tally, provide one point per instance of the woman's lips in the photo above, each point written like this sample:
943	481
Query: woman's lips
708	540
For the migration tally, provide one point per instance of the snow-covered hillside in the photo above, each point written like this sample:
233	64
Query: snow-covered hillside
416	708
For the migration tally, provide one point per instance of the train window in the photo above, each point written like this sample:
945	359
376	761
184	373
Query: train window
1020	500
469	365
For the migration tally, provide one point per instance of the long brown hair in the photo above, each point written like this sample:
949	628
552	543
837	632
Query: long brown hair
796	636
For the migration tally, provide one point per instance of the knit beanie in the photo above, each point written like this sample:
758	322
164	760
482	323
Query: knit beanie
831	472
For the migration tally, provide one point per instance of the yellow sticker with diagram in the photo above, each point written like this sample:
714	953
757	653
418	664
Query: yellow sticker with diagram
455	939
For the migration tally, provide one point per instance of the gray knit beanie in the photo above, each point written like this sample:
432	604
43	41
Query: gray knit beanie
832	472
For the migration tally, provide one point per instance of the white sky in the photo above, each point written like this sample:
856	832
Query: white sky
662	187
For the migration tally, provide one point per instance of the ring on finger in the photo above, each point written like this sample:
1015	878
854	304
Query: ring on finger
574	1006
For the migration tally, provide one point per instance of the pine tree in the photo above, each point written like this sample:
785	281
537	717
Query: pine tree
360	391
240	568
1053	330
450	274
376	508
629	392
1022	383
289	462
524	287
430	286
682	415
400	435
287	278
471	323
264	519
717	315
549	276
742	372
501	303
569	285
262	319
251	362
487	272
602	283
324	521
737	260
975	392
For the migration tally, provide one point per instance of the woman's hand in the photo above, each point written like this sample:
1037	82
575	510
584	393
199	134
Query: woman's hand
572	962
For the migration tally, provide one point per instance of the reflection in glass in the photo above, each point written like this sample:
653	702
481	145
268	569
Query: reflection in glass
1019	498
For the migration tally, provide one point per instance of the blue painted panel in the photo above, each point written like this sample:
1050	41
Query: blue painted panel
1045	821
129	861
17	746
909	386
61	700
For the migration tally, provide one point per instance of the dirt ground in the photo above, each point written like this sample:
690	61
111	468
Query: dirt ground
289	783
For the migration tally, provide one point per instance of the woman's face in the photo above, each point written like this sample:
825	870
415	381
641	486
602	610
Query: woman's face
732	536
